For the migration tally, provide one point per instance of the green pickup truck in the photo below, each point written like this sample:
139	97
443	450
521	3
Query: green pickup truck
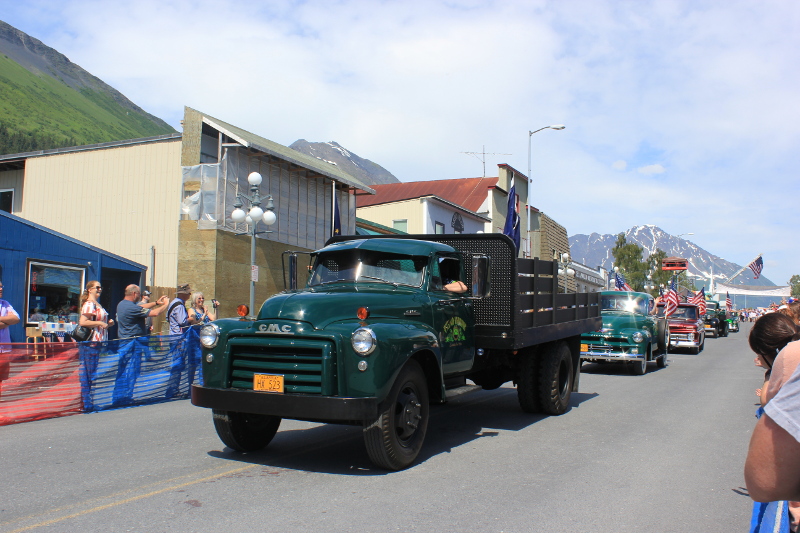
632	333
385	327
716	319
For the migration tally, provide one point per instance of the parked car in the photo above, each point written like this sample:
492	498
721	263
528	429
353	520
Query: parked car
716	320
631	332
686	327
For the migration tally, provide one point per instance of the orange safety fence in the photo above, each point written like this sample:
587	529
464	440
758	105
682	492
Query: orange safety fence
51	379
39	381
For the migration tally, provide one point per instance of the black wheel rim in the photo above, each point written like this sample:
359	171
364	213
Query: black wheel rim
408	414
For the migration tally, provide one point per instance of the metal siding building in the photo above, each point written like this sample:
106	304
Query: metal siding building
121	198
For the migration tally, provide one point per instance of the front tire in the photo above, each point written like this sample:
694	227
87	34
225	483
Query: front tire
639	366
245	432
395	438
555	379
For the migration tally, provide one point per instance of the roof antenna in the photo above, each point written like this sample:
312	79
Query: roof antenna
482	157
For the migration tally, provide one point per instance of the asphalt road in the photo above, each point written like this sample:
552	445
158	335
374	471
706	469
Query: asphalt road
661	452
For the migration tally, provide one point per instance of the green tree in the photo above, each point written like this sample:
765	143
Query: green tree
628	257
794	284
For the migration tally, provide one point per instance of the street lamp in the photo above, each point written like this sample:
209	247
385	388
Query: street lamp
530	180
615	269
565	268
255	215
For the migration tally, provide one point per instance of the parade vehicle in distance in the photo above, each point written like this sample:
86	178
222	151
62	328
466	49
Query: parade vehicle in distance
686	327
716	320
387	325
631	333
733	323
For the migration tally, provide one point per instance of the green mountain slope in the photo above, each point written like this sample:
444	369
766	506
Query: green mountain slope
51	102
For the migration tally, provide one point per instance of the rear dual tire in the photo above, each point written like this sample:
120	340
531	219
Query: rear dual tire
544	384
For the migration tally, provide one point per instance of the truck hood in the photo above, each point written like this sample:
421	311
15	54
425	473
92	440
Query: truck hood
322	305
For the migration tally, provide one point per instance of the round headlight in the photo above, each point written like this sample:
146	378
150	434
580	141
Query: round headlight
364	341
209	335
638	337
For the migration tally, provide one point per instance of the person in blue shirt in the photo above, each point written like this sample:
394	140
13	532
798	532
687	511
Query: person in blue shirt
131	317
177	315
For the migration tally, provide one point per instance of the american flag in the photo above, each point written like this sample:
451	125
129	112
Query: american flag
757	266
699	298
728	303
671	299
620	284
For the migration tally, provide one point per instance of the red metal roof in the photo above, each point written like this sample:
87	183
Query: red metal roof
469	193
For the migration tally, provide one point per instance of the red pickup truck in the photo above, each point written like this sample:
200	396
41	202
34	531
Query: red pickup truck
686	329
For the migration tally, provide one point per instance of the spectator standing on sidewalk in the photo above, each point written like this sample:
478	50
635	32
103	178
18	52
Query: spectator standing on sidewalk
772	469
199	313
177	315
131	317
8	317
93	315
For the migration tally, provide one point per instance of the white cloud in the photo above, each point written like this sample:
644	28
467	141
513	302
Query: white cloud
649	170
619	165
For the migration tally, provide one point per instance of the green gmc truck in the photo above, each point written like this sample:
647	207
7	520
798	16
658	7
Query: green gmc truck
385	326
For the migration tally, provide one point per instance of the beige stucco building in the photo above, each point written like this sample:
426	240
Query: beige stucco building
166	201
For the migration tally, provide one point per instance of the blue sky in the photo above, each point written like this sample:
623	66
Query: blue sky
680	114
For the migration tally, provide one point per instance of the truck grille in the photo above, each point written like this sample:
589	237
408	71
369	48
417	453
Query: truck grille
304	368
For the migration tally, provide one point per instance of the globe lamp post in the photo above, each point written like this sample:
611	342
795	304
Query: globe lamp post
253	216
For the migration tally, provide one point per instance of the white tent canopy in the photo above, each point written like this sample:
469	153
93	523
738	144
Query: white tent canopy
752	290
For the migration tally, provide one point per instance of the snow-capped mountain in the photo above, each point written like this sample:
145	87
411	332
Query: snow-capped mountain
332	152
595	250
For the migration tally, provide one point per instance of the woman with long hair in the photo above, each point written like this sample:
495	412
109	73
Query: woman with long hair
199	313
773	339
92	313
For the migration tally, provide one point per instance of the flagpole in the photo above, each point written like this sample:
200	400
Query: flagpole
743	269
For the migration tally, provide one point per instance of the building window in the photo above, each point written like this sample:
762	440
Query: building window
439	228
400	225
6	200
53	292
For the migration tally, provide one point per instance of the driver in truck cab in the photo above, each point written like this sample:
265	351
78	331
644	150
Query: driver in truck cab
449	272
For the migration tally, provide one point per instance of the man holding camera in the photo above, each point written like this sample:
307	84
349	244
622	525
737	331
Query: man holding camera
131	317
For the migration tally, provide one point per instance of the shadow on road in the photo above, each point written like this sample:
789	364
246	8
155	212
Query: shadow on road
337	449
620	369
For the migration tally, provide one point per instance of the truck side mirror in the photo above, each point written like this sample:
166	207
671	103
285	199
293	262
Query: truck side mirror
481	274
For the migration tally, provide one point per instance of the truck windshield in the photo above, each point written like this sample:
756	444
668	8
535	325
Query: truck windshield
612	302
364	265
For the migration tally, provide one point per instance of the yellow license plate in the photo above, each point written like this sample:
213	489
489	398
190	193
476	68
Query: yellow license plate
584	347
268	382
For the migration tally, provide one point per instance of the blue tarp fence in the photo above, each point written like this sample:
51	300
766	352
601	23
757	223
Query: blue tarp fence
138	371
